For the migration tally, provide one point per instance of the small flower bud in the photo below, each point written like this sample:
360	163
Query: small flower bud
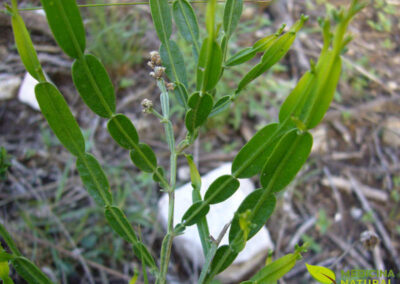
369	239
159	72
155	58
151	64
170	86
147	105
152	74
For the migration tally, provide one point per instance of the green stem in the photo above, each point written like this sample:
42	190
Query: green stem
167	241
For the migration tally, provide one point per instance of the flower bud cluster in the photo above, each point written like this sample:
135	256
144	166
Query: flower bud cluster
155	64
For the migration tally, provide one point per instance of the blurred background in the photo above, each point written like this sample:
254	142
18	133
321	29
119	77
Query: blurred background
350	184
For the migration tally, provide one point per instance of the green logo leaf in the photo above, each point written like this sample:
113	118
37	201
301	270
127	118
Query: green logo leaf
321	274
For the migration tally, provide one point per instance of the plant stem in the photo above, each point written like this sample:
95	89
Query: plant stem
167	241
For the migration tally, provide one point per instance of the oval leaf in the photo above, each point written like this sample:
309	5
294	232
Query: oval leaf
162	19
232	12
321	274
29	271
259	216
195	213
201	107
186	21
25	47
222	259
66	24
123	131
209	66
120	224
288	156
94	85
94	179
172	59
252	157
144	158
221	189
57	113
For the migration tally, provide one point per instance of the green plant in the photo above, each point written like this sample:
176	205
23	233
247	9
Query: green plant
276	152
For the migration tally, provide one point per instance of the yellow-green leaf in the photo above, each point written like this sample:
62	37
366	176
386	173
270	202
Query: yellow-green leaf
321	274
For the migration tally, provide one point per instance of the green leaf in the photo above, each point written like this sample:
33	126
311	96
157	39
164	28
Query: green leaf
195	213
252	157
325	94
4	257
221	105
9	241
288	156
94	85
25	47
172	59
159	174
94	179
66	24
57	113
201	107
222	259
278	48
276	269
194	173
210	18
120	224
221	189
123	131
144	158
142	252
181	94
29	271
321	274
232	12
297	97
209	66
241	56
257	219
249	52
186	21
162	19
